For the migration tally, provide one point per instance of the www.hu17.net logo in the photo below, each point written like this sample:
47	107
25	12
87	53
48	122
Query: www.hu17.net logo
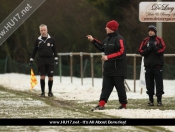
17	17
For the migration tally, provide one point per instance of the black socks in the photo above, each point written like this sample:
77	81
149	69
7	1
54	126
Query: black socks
42	82
50	82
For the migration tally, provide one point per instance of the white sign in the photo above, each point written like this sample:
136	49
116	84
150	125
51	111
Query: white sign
142	75
157	11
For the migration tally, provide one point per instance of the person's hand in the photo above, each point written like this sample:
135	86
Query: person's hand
155	47
150	45
150	48
31	63
104	58
56	62
90	38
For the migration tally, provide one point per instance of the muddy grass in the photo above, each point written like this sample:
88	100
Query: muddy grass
18	104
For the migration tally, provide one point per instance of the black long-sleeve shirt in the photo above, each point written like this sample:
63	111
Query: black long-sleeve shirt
45	47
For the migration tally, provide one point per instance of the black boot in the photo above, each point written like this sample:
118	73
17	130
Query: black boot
98	107
42	94
159	100
151	101
50	94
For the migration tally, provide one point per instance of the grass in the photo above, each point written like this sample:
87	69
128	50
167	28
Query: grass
27	104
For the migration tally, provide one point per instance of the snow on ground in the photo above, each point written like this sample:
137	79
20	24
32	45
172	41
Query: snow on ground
63	88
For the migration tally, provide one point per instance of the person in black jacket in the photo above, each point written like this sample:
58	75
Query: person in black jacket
47	58
152	48
115	66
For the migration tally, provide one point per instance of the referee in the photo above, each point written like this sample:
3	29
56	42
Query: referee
47	58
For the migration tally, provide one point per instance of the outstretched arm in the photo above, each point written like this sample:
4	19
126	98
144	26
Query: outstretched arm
96	43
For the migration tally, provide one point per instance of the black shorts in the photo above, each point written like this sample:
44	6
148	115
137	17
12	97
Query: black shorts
46	66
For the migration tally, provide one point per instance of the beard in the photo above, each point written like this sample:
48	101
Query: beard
44	35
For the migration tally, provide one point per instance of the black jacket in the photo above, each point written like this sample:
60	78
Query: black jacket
114	47
153	57
46	47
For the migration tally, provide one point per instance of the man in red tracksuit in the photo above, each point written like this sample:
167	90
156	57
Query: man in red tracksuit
152	48
115	66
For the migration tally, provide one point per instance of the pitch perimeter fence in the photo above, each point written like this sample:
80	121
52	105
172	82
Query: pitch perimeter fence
88	65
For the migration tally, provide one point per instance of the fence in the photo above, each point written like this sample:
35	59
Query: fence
8	66
81	54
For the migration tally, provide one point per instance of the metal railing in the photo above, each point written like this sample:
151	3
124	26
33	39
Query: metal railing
81	64
81	54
